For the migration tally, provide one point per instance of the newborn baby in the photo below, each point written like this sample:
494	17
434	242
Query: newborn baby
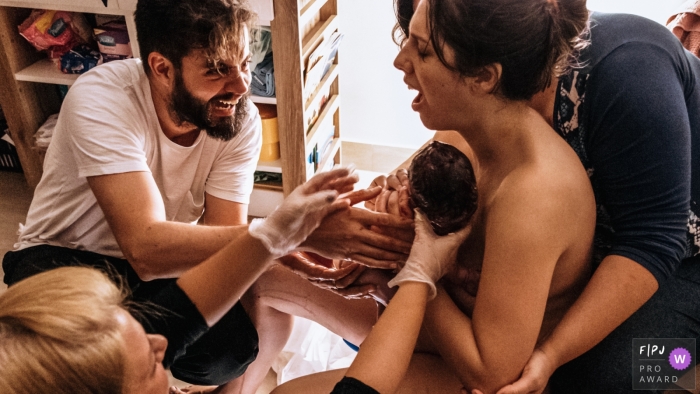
442	184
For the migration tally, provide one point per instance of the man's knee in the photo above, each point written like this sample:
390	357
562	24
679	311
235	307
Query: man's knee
215	370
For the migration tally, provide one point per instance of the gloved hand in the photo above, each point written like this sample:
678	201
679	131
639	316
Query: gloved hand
431	256
302	211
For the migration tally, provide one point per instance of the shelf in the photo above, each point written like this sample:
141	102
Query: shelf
45	71
310	10
270	166
263	100
320	33
324	86
268	186
92	6
324	118
329	156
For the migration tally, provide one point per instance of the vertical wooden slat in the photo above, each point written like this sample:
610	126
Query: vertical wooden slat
286	47
26	105
331	8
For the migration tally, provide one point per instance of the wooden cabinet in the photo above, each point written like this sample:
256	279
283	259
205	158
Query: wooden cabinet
298	27
306	24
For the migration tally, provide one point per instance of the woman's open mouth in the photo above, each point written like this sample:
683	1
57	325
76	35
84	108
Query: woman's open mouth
417	101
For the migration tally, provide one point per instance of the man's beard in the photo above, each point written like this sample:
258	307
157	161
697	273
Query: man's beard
184	107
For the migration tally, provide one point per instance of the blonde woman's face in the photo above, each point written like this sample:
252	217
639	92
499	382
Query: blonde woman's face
143	353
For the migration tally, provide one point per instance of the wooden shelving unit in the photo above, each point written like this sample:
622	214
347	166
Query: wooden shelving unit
297	26
305	24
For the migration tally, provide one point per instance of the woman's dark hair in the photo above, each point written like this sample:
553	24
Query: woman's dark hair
174	28
533	40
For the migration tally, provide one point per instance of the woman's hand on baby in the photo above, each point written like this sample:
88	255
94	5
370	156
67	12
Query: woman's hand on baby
431	255
303	210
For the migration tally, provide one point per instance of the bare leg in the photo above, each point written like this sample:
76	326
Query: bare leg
287	292
272	301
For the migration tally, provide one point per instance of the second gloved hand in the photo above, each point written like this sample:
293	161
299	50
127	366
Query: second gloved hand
431	255
303	210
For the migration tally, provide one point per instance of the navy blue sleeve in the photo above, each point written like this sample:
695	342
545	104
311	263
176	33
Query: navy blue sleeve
639	149
176	318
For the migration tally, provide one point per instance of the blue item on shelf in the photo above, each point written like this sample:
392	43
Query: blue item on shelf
80	59
263	78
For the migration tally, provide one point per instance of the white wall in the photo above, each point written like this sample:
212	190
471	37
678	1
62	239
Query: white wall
657	10
376	104
375	101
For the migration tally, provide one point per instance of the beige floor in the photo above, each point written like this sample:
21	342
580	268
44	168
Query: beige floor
15	196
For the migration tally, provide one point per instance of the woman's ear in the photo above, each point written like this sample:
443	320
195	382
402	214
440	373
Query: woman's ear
162	69
487	79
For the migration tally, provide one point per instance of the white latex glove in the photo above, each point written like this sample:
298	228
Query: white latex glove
431	255
303	210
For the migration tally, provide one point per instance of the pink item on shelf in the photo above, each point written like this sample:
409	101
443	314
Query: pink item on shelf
45	29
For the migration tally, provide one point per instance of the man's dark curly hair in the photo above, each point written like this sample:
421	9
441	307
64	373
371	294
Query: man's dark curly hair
174	28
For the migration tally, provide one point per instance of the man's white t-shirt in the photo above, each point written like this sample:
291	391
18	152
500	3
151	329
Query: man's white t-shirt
108	125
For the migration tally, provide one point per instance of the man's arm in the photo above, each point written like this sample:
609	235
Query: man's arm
348	234
220	212
155	247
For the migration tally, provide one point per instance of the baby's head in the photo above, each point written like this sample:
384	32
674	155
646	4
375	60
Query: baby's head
443	186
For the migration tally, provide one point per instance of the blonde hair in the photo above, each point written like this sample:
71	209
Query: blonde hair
58	334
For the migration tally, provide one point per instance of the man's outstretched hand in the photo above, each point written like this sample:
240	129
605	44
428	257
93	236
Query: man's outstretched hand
361	235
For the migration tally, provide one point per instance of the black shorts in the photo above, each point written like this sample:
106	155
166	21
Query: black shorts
196	354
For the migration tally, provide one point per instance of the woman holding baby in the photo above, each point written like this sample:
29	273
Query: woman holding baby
515	79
